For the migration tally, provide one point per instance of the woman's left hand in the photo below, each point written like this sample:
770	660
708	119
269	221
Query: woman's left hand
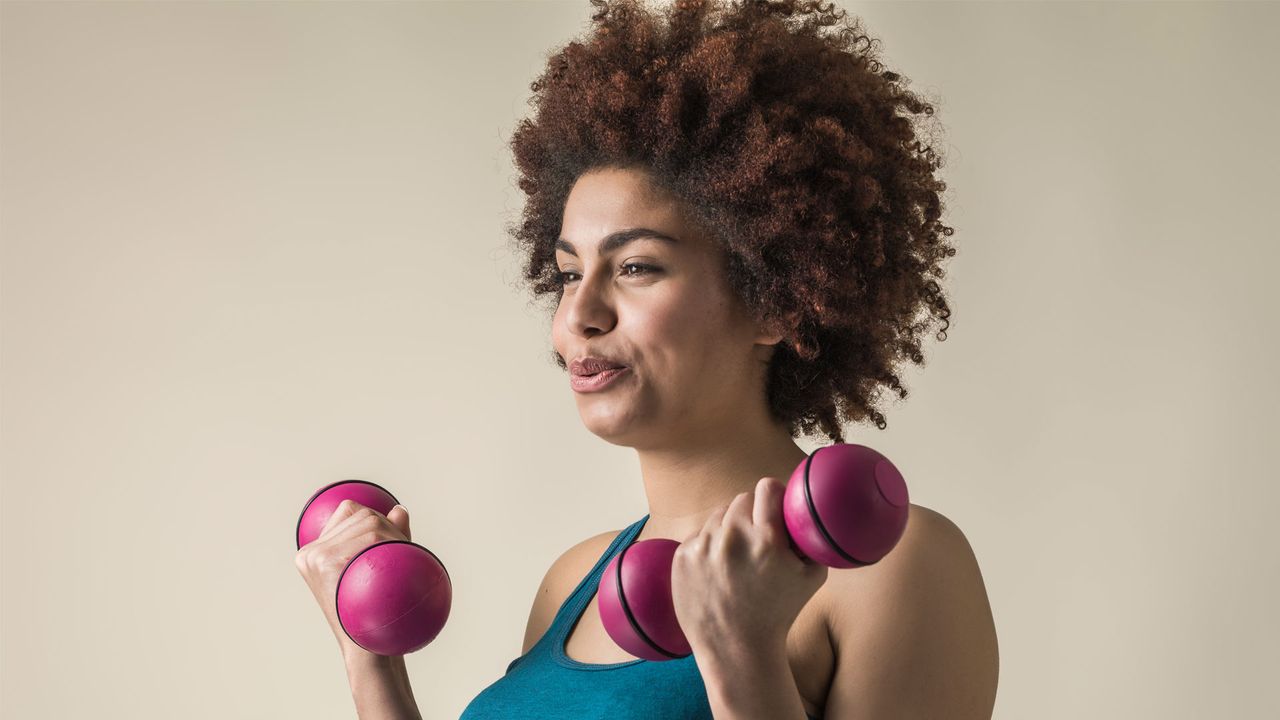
737	584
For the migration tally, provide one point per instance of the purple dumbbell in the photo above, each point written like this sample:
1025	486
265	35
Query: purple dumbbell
845	506
393	597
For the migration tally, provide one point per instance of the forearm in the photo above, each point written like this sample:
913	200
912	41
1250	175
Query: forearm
751	686
380	687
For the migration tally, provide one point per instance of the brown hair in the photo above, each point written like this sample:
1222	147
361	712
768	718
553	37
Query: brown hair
793	146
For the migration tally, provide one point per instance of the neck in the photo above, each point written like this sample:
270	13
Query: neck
685	484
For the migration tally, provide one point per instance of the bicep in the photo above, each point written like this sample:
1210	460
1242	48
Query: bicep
919	640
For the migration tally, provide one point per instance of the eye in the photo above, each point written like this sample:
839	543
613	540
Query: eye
641	269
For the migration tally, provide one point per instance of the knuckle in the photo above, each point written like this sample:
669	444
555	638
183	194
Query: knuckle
725	542
770	536
311	563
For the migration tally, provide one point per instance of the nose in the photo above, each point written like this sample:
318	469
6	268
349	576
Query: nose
590	310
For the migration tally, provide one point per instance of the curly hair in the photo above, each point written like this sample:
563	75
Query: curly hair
794	148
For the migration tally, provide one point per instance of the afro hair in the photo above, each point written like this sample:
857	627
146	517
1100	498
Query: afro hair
803	156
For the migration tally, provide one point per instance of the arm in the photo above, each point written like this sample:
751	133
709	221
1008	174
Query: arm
379	684
914	634
380	687
752	685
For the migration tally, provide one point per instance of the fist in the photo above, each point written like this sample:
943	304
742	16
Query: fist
352	528
736	584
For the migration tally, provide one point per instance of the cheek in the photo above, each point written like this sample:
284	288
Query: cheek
685	339
559	333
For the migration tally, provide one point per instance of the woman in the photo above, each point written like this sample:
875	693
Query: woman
740	231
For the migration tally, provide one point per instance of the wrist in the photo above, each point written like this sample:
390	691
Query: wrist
380	685
732	657
757	684
361	662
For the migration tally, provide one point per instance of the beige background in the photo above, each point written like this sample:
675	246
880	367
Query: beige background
253	248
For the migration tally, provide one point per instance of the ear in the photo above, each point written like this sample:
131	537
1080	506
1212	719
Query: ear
772	332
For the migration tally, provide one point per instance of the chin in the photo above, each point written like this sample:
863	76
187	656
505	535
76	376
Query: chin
611	427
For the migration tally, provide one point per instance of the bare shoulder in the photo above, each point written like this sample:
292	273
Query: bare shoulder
917	624
559	581
931	543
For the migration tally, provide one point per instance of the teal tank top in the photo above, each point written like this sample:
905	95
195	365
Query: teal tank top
546	683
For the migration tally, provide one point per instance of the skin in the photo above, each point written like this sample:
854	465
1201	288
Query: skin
911	636
692	405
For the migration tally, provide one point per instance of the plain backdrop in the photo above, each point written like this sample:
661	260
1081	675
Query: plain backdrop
251	248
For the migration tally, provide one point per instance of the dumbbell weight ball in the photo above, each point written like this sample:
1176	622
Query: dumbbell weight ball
845	506
393	597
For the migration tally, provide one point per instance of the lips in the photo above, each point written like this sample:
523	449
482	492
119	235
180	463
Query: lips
600	381
593	365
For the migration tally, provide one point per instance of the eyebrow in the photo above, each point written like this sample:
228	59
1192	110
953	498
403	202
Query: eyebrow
615	240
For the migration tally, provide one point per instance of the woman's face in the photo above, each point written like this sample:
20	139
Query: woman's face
695	360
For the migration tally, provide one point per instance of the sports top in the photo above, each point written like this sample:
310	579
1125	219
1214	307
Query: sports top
546	683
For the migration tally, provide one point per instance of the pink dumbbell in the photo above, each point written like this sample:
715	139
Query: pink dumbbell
845	506
393	597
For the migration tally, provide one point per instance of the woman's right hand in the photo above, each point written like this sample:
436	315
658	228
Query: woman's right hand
352	528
